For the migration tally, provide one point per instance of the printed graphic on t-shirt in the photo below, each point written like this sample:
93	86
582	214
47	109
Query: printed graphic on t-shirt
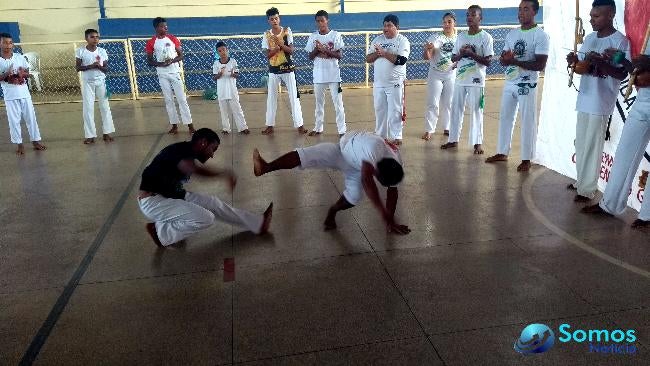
466	69
280	62
444	63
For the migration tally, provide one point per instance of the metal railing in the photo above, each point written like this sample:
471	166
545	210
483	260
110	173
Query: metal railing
130	77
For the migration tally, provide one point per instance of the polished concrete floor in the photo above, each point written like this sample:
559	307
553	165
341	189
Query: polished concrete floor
491	251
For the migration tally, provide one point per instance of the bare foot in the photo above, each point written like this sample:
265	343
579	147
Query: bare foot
151	229
478	150
191	129
259	165
497	157
330	221
595	209
20	149
268	130
571	187
314	133
89	141
245	132
38	146
173	130
225	132
581	198
524	166
449	145
107	138
446	133
302	130
640	224
268	214
426	136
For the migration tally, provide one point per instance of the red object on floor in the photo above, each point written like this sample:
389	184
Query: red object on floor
228	269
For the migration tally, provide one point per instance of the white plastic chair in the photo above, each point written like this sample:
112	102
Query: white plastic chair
34	62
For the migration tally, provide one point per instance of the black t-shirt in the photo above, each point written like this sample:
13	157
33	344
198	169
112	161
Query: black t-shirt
162	175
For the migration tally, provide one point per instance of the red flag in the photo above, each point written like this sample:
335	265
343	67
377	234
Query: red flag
637	17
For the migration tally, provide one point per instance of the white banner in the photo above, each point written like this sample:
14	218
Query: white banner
557	126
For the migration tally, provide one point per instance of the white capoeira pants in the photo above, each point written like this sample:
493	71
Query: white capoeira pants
91	89
171	86
439	95
228	107
590	140
629	153
289	80
18	109
328	155
176	219
337	100
388	103
524	99
472	95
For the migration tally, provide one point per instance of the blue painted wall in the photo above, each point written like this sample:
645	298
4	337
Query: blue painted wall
138	27
12	28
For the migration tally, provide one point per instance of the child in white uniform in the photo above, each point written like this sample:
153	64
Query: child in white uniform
440	81
164	52
473	52
92	63
14	72
324	47
225	71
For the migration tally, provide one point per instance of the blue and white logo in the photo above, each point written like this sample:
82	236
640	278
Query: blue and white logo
535	338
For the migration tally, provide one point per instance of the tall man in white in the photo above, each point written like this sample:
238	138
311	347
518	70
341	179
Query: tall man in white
324	47
597	97
630	150
473	52
389	53
164	52
525	54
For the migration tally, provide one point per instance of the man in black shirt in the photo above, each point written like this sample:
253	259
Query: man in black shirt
176	213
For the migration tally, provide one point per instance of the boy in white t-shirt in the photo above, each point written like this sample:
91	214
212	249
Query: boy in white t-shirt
92	63
362	157
599	88
388	53
324	47
473	52
277	43
164	52
225	71
525	54
14	71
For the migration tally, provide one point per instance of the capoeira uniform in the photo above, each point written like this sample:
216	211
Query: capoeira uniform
347	156
629	153
595	103
93	84
520	91
388	86
440	82
177	213
327	74
18	101
170	77
281	70
228	95
470	84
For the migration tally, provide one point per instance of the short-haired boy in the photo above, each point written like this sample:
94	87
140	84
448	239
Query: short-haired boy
225	71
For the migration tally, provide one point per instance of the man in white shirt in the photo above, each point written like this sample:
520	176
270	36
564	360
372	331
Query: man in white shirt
473	52
388	53
362	157
277	44
630	150
164	52
91	61
324	47
599	88
14	72
525	54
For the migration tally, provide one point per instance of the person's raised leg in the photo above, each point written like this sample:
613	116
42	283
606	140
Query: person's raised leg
289	160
